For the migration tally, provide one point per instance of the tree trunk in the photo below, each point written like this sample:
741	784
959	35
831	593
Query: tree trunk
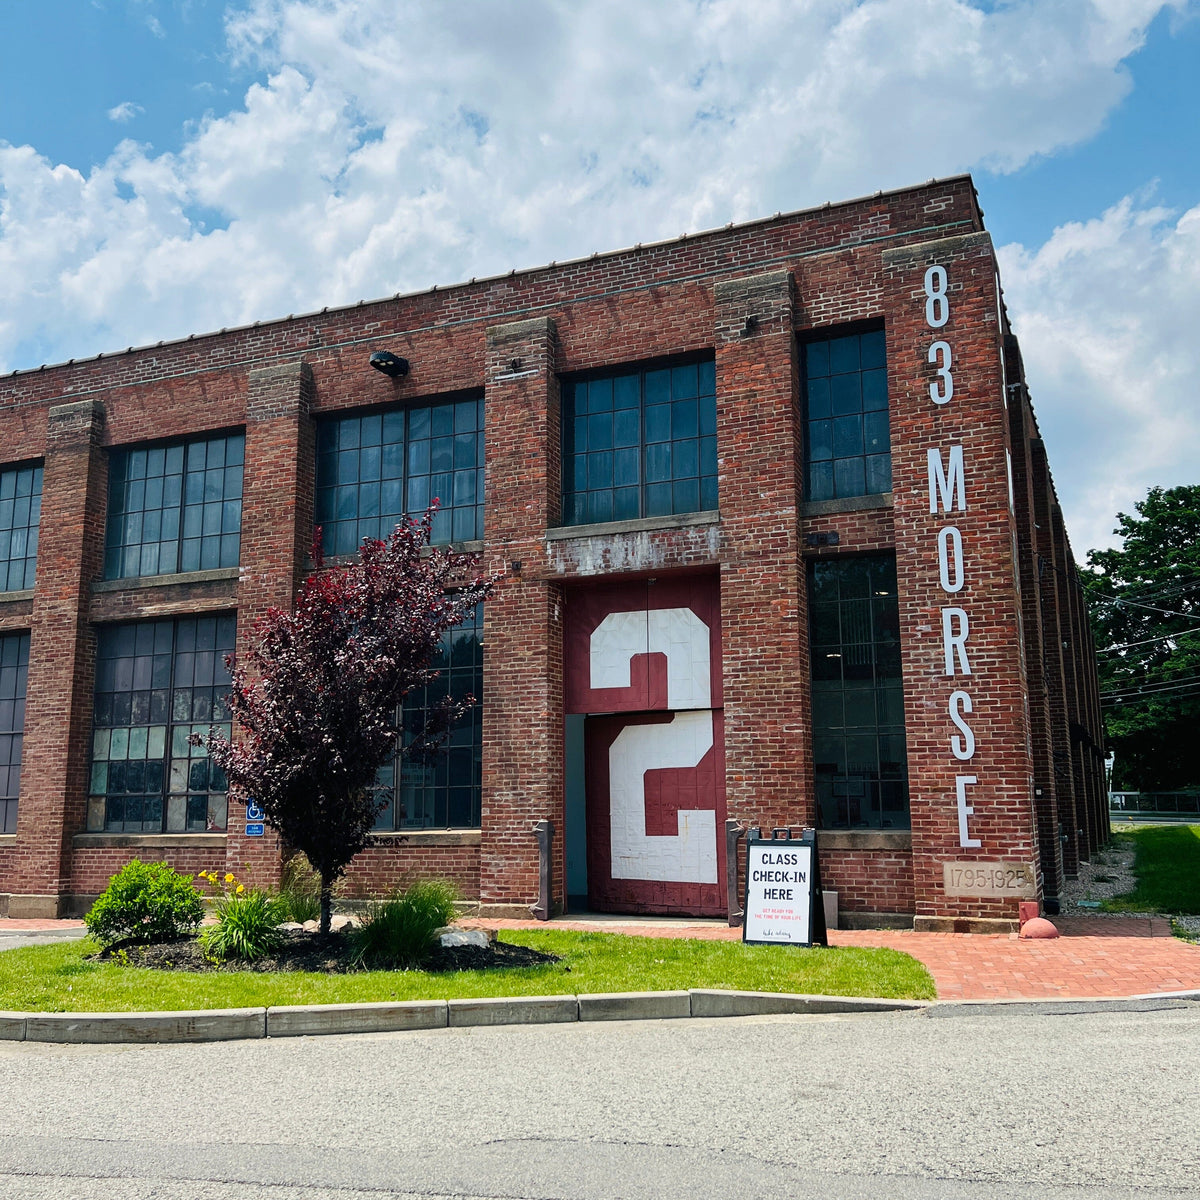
326	904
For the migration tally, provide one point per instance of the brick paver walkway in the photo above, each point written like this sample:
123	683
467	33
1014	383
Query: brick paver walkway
1095	957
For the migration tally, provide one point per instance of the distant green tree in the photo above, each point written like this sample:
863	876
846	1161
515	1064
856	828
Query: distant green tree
1144	601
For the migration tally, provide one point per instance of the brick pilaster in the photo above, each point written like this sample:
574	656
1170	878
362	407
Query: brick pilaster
985	589
523	638
62	655
764	611
277	523
1022	430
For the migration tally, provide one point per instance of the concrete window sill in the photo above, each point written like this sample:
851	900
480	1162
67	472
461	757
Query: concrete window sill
560	533
151	581
428	837
864	839
822	508
150	841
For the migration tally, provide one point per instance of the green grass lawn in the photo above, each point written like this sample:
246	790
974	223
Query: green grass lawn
56	978
1167	866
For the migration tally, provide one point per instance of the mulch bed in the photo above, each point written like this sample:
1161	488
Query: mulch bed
311	952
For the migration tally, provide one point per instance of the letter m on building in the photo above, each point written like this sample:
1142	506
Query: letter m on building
947	486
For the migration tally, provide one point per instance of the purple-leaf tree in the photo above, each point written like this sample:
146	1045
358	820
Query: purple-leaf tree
317	701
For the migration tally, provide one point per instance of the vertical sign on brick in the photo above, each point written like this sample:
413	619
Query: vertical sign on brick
974	842
277	516
764	611
62	656
522	624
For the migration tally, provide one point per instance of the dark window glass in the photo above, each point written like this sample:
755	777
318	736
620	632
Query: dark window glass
20	515
14	671
156	683
857	699
640	444
847	447
374	470
174	508
445	792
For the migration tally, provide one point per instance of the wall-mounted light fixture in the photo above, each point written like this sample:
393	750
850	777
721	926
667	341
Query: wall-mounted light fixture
392	365
750	328
821	539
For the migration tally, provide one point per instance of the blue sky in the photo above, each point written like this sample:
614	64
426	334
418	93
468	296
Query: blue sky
170	166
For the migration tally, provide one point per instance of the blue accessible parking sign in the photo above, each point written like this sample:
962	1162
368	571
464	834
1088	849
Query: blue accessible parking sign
255	829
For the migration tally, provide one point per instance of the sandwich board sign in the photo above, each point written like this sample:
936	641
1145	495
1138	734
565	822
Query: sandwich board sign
783	890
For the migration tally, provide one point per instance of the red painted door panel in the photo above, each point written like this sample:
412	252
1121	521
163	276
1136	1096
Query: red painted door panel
656	831
609	612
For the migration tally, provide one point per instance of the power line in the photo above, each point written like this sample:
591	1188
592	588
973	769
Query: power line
1119	695
1130	701
1162	637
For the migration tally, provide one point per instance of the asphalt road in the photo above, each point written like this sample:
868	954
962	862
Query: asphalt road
987	1107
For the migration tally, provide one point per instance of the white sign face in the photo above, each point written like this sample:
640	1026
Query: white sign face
778	892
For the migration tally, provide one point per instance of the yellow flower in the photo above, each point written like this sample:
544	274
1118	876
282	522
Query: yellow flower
228	878
241	887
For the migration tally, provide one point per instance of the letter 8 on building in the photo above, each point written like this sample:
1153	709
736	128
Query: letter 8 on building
781	548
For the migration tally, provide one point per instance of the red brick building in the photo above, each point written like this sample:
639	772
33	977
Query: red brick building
781	543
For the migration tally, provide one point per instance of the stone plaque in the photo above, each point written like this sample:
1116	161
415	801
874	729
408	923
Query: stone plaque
998	879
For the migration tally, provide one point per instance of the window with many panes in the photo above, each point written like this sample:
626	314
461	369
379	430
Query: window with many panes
639	444
156	683
859	754
174	508
374	470
847	441
14	671
20	514
443	792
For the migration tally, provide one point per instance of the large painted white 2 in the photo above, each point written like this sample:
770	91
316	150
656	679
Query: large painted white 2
691	855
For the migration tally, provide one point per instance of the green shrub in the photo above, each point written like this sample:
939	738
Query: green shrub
299	891
399	932
145	902
246	926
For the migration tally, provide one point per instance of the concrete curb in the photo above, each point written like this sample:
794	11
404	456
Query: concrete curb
313	1020
518	1010
715	1003
634	1006
216	1025
1150	1002
397	1016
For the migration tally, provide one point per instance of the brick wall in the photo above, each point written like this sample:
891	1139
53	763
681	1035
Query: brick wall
741	294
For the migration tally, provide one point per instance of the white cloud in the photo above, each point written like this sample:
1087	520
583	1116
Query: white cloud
389	146
1106	312
125	111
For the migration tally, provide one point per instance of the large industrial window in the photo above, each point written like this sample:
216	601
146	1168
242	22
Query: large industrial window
14	670
857	700
374	470
156	683
640	444
445	792
174	508
847	443
20	513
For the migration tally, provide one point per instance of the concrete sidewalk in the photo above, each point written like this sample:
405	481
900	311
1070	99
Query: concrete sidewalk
1097	957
